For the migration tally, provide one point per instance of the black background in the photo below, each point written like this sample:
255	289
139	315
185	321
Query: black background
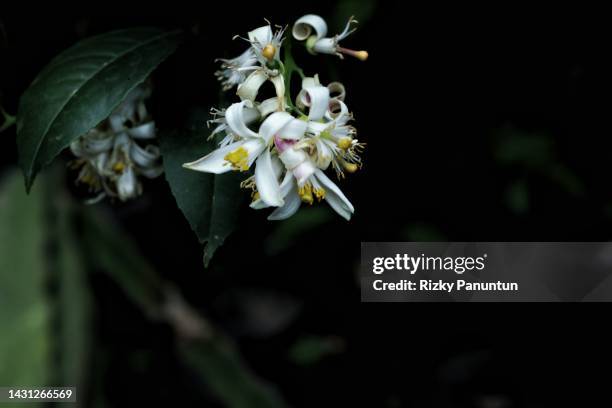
444	91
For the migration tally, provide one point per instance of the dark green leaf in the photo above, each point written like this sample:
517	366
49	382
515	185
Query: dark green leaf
209	202
81	87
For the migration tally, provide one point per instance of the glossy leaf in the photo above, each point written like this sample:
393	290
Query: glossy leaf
81	87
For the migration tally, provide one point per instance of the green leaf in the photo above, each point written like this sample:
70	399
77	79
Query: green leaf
24	311
81	87
209	202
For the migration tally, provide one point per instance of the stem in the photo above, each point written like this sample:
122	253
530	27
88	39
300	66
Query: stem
290	67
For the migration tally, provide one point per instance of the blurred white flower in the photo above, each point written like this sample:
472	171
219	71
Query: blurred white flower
110	156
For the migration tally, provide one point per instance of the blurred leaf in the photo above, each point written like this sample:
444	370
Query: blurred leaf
81	87
212	356
74	303
517	197
421	232
517	147
111	250
24	311
536	152
361	9
310	350
217	361
209	202
288	231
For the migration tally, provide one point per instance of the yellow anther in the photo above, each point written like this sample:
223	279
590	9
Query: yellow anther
305	193
319	193
268	52
238	158
255	196
119	167
350	167
345	143
361	55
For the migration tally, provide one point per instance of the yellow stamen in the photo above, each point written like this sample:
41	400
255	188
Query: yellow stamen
319	193
255	196
361	55
119	167
345	143
268	52
238	158
305	193
350	167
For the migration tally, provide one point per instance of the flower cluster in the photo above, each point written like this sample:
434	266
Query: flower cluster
110	156
289	141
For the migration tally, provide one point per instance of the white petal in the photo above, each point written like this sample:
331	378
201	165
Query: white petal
303	171
273	124
144	157
235	117
127	184
334	197
337	89
292	204
338	112
266	181
319	101
279	85
144	131
254	148
261	35
309	82
268	106
249	88
294	130
326	46
293	158
303	27
214	162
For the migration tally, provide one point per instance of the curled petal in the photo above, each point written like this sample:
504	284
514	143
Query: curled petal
266	181
250	87
144	157
334	197
305	25
318	98
144	131
337	91
338	112
152	172
268	106
273	124
327	46
236	119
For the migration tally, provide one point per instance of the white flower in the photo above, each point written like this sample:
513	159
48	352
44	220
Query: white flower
304	182
266	47
328	134
251	147
111	158
317	42
258	64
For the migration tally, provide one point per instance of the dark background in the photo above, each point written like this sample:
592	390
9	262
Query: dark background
481	124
